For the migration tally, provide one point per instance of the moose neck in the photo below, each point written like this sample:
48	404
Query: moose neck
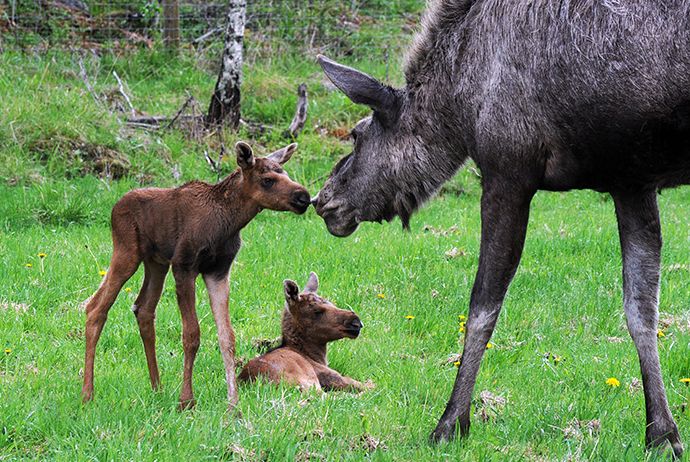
295	338
238	208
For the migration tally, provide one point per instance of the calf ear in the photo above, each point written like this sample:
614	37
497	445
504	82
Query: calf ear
363	89
312	283
291	291
283	155
245	155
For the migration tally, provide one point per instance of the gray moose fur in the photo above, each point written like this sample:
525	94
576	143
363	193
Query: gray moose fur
540	94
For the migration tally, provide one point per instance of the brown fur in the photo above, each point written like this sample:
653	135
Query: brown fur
195	229
309	323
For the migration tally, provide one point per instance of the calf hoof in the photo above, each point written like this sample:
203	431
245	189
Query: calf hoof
665	441
86	396
186	404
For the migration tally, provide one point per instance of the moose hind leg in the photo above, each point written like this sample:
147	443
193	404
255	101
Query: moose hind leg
640	236
505	213
145	311
122	266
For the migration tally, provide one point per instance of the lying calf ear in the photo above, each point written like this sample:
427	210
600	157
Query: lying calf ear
312	283
291	291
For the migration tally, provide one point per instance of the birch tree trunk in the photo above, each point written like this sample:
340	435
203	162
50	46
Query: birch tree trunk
225	102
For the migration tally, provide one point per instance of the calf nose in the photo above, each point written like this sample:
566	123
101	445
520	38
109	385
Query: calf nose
356	323
301	200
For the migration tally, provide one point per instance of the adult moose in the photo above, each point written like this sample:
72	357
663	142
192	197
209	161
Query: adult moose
540	94
195	229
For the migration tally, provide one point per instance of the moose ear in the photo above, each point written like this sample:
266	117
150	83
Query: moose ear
312	283
245	155
283	155
291	291
363	89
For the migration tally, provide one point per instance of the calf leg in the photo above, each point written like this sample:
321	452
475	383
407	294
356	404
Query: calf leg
218	291
504	223
330	379
122	266
184	282
145	311
640	236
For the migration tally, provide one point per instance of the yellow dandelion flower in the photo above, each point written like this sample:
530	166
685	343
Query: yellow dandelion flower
557	359
489	346
462	328
456	364
660	333
381	296
128	289
462	317
102	273
29	265
613	382
42	255
685	380
8	351
409	317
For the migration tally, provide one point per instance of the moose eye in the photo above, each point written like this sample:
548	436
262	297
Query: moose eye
267	182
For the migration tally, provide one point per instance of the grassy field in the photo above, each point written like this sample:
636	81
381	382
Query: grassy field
561	334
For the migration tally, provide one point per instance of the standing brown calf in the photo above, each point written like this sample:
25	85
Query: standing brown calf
309	323
195	229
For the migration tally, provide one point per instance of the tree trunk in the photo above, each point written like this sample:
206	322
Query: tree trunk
225	102
171	24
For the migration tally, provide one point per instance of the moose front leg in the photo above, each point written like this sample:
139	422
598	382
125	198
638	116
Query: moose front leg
505	213
184	282
640	236
218	291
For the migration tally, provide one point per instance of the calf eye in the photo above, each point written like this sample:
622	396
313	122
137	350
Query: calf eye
267	182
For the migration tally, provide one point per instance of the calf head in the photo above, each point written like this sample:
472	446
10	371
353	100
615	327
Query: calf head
265	181
314	318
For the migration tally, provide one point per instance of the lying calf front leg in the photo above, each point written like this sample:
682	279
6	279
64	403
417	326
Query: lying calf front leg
332	380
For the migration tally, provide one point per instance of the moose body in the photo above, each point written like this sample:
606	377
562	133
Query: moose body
309	323
540	94
195	229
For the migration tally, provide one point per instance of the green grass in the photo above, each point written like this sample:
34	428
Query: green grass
565	299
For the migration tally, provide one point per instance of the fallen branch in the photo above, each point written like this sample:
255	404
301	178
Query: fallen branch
158	121
179	113
207	35
124	94
300	117
85	77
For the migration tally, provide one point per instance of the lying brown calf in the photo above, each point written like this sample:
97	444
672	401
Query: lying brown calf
309	323
195	229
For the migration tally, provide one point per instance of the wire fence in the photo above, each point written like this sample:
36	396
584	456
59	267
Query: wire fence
342	27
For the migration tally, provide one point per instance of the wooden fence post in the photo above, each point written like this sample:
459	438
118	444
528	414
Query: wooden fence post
171	24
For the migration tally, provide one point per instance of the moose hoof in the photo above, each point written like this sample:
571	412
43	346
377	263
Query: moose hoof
186	404
665	442
442	432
